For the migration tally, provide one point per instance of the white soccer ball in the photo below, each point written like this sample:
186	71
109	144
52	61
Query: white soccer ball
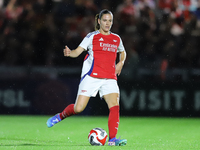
97	136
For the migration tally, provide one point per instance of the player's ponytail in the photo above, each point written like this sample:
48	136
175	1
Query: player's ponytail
99	16
97	26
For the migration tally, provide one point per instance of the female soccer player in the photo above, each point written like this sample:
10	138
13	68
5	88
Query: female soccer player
98	73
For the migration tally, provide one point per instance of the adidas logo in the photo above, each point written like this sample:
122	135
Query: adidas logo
101	39
114	40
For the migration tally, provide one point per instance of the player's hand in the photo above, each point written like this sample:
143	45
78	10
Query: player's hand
67	51
118	68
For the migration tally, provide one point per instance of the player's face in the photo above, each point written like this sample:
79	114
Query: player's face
106	22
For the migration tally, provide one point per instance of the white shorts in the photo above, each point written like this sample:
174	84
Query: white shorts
90	86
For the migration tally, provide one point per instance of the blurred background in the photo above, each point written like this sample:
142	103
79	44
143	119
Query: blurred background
161	75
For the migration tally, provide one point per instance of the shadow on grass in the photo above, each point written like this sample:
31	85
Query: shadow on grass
31	144
25	144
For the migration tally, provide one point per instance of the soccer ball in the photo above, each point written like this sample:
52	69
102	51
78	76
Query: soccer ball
97	136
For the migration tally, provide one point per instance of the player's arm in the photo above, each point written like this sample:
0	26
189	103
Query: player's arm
73	53
122	58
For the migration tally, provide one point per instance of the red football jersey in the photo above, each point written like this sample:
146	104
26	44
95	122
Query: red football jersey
102	53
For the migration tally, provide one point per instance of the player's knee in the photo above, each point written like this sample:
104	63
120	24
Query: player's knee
112	104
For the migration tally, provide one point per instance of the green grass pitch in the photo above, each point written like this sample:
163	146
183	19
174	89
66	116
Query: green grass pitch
142	133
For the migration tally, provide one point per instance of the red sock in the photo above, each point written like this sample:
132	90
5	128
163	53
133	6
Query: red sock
113	121
68	111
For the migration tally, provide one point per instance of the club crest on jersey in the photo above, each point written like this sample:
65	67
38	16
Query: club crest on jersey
101	39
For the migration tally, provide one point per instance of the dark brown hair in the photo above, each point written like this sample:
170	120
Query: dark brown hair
99	16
